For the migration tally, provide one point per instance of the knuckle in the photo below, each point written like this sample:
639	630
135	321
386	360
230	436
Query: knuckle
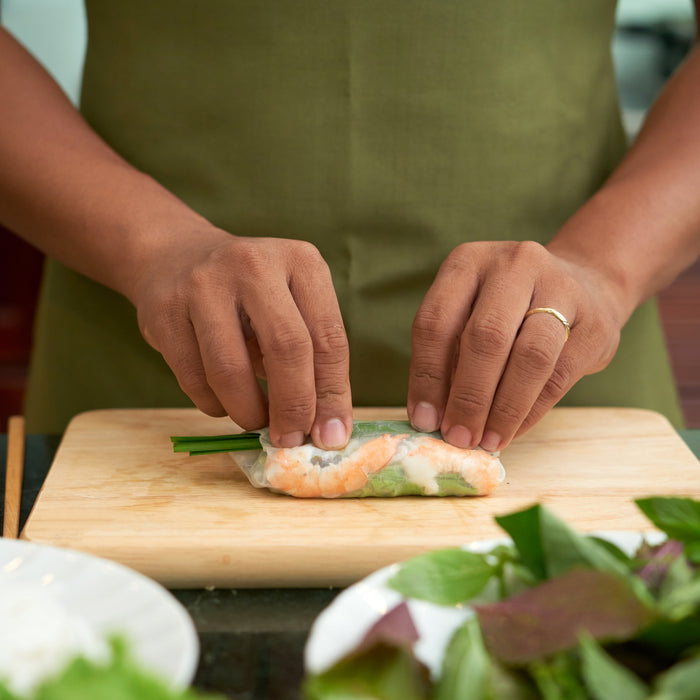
247	255
289	343
332	392
559	382
331	344
536	353
199	280
308	256
427	372
508	412
469	403
224	370
525	253
191	379
429	322
297	411
457	259
487	336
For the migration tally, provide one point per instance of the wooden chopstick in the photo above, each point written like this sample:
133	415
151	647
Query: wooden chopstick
13	476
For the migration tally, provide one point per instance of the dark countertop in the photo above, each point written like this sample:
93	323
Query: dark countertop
252	640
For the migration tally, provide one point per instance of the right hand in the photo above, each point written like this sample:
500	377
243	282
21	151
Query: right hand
222	309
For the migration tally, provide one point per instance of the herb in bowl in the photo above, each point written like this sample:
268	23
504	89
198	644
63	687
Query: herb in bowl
556	615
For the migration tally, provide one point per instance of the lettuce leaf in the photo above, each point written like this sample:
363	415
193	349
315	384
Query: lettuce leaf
119	679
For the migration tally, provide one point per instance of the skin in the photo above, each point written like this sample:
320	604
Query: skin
224	308
482	374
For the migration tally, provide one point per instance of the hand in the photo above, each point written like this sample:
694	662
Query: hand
481	373
222	309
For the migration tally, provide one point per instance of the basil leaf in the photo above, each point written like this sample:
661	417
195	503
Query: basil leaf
682	601
678	517
557	678
549	547
604	677
680	682
465	668
445	576
524	529
381	671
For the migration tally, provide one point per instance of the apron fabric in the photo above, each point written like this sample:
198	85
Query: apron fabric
386	132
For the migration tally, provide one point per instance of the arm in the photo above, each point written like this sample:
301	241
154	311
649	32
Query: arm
492	379
215	305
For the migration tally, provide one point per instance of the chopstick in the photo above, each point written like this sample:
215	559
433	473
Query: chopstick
13	476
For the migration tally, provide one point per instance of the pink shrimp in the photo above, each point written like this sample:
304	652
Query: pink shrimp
425	458
306	472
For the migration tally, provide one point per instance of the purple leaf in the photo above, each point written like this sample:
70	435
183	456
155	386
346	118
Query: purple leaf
658	560
549	617
395	628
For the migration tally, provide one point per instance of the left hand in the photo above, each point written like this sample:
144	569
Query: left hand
482	373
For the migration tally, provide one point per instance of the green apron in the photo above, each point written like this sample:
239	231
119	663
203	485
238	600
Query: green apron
384	131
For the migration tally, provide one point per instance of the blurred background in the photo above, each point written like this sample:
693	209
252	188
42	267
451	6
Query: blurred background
651	39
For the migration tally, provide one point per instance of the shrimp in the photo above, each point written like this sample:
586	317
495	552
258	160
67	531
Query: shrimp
424	458
308	472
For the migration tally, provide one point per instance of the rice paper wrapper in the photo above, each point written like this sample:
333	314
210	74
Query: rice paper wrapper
382	459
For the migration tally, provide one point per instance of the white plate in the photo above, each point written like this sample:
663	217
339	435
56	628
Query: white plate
343	624
110	599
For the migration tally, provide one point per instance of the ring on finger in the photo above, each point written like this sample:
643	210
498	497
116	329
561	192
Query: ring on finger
552	312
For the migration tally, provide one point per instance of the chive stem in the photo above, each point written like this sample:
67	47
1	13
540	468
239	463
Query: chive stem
210	444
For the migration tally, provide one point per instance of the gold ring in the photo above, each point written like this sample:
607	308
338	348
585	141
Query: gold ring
551	312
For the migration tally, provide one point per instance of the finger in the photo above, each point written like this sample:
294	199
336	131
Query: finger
485	346
229	370
530	365
252	345
287	352
319	308
174	337
565	374
435	335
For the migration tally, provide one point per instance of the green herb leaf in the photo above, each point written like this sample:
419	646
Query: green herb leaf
680	682
678	517
604	677
380	671
682	601
119	679
558	678
549	547
466	665
445	576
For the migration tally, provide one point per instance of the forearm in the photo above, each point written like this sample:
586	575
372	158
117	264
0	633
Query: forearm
66	192
643	227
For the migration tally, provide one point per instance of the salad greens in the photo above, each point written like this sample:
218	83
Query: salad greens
119	679
556	615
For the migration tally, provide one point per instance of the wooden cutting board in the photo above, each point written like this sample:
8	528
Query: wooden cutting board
117	490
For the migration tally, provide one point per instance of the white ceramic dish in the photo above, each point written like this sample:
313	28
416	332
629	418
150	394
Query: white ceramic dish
109	598
343	624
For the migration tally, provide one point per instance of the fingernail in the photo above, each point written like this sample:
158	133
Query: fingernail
292	439
333	434
459	436
425	417
490	441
